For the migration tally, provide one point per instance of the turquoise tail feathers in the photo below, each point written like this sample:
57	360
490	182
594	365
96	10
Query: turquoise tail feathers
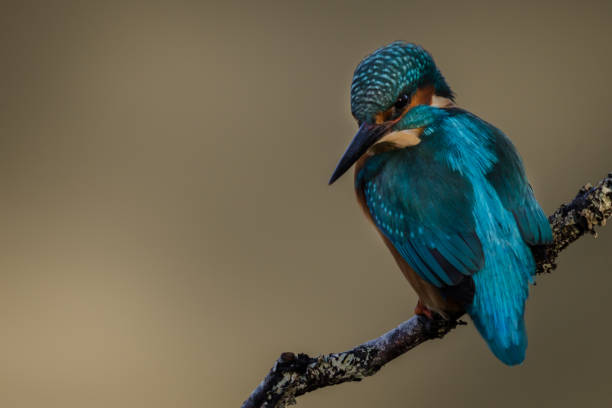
498	307
508	344
502	285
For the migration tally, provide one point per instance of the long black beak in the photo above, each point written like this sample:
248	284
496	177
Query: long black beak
366	136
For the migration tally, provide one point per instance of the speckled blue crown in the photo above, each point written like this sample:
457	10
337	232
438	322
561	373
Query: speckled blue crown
382	76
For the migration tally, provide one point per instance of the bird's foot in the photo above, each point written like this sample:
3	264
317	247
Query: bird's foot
422	310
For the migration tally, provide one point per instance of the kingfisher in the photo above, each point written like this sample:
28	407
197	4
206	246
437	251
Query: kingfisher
448	194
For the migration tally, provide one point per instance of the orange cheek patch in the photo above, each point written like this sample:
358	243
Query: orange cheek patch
421	97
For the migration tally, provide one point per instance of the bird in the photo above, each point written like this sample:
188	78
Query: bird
448	193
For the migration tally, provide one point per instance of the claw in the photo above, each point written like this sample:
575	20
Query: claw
422	310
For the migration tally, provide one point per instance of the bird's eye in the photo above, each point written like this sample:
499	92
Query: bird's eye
401	102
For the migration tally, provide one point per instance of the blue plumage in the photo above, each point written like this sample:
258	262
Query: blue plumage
457	206
446	209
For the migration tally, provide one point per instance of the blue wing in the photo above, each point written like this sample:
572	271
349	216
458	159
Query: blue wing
508	178
425	209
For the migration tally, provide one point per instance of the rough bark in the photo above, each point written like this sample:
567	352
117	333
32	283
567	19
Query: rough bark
294	375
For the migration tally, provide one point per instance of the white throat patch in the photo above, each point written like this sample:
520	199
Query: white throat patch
402	138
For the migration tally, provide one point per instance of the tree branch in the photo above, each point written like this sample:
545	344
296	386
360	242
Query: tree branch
294	375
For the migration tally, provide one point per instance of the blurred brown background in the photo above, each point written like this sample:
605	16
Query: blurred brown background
166	225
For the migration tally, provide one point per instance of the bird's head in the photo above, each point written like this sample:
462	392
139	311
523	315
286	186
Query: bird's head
387	84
